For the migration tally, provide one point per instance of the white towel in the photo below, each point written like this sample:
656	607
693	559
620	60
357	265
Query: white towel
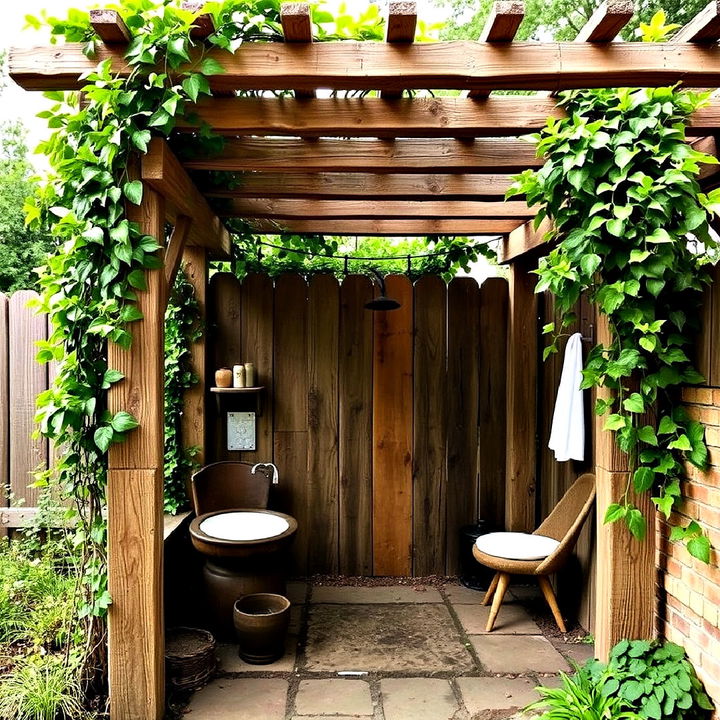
567	437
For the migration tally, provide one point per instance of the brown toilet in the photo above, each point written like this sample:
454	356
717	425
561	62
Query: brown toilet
244	544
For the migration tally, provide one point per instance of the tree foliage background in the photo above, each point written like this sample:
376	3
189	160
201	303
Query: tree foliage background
555	19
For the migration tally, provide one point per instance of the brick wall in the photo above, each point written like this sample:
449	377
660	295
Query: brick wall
689	590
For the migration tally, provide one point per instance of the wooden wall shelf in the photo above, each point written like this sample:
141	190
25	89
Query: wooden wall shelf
226	393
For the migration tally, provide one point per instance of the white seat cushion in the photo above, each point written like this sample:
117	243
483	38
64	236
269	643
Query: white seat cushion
244	525
516	546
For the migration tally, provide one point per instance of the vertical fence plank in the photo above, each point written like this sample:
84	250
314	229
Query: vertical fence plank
492	414
257	348
322	464
463	391
713	324
392	433
26	379
429	426
291	407
224	333
356	382
4	410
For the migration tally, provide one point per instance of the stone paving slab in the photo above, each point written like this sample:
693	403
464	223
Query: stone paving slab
460	595
388	638
240	699
511	620
334	696
329	594
485	695
230	661
418	699
515	654
577	652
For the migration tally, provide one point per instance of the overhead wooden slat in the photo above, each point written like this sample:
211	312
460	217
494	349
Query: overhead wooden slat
297	28
371	156
162	171
522	241
422	226
703	28
500	27
204	25
607	21
109	26
443	117
350	65
348	186
281	209
374	117
400	29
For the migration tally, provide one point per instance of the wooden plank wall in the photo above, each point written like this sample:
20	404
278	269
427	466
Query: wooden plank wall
708	357
373	419
556	477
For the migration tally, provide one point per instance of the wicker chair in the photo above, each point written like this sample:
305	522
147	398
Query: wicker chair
545	551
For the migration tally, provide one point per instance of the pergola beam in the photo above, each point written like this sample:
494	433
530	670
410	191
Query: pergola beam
703	28
163	172
293	209
419	227
607	21
522	241
296	23
350	156
441	117
400	29
379	66
204	25
109	26
367	186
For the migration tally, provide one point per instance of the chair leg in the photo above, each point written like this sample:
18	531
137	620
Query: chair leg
502	586
547	591
491	590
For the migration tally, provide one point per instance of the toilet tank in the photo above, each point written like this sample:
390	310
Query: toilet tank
225	485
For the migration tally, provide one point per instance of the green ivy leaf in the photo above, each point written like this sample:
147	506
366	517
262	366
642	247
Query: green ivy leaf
123	421
699	547
615	422
636	523
137	279
210	66
643	479
634	403
614	513
681	443
103	436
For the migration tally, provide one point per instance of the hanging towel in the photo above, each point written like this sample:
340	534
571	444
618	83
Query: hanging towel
567	437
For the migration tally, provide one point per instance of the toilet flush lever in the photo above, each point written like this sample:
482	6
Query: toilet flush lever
275	477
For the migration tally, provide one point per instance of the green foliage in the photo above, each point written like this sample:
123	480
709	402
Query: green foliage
42	688
580	698
440	255
631	227
557	19
182	329
655	679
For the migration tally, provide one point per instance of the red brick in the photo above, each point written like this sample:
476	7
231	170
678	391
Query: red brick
705	414
712	436
700	395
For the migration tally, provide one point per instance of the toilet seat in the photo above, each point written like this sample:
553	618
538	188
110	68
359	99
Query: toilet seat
243	525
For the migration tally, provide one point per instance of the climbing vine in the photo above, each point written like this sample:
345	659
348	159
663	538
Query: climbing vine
630	226
183	328
89	286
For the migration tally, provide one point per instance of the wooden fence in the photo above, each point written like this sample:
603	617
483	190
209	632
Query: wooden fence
21	379
388	428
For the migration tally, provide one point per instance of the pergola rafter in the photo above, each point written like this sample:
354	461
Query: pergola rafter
378	165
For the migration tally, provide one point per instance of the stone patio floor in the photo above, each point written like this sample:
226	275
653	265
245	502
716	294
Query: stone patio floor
393	653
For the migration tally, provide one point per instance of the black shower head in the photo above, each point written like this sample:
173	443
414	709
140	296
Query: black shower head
382	302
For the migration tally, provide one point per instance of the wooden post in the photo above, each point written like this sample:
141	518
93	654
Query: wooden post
521	398
194	260
625	581
135	502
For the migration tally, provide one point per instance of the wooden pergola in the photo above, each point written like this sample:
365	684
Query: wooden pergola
384	164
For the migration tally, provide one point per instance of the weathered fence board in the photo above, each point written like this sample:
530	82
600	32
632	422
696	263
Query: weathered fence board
463	400
291	406
27	379
373	418
355	431
392	433
257	348
322	463
429	426
4	410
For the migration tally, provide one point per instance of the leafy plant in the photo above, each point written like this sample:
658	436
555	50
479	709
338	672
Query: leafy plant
581	698
630	225
655	679
182	329
41	688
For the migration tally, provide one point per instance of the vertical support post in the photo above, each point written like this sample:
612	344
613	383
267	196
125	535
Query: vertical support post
625	581
135	502
193	419
520	459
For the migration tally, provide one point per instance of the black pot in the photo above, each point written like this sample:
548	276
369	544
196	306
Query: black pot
261	624
473	575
